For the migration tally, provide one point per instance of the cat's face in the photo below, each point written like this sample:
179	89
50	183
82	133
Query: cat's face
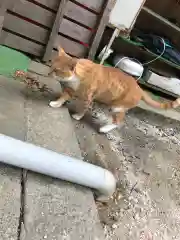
62	66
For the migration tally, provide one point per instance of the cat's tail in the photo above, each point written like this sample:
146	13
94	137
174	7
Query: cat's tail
163	105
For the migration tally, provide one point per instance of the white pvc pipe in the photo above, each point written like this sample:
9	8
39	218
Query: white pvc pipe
41	160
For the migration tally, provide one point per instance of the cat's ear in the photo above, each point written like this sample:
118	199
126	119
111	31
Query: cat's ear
61	51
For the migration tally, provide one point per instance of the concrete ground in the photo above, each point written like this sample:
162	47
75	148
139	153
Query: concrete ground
33	206
144	156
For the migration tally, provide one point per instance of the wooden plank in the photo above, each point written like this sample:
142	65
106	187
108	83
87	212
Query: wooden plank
159	27
161	19
27	29
34	12
3	8
70	47
75	31
143	83
52	4
80	15
95	5
168	8
55	29
100	30
21	44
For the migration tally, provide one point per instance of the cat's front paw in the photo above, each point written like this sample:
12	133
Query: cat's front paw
107	128
55	104
77	116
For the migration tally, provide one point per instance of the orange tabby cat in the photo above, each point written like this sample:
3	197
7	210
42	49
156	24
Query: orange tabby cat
89	81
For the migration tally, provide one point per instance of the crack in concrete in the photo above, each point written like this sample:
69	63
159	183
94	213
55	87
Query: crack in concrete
21	224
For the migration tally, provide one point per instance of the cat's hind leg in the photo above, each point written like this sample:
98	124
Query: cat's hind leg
117	117
108	127
78	116
87	103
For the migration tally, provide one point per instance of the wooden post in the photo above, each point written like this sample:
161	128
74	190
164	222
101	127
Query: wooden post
102	24
55	30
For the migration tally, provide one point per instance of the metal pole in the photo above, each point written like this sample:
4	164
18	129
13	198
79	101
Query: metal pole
114	35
